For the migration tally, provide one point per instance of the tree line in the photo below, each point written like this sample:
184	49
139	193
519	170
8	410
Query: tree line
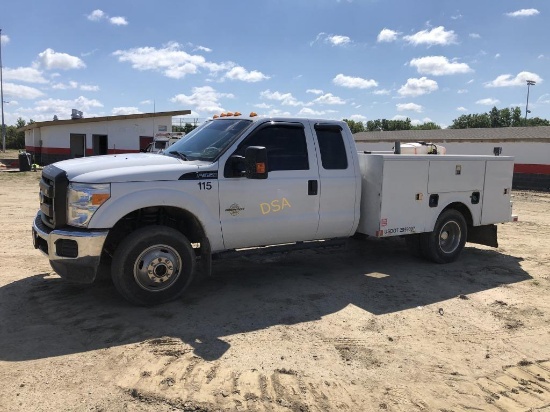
494	118
507	117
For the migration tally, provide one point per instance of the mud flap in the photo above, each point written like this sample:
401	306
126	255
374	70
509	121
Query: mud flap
483	235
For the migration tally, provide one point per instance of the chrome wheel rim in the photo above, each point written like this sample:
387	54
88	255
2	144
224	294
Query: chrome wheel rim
449	237
157	268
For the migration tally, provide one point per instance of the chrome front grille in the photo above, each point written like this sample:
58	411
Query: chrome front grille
53	194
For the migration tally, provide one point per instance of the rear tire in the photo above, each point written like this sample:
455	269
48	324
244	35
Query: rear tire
448	238
153	265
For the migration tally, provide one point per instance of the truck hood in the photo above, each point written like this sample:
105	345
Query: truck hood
129	167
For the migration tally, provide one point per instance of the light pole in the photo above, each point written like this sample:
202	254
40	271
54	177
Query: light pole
529	83
2	98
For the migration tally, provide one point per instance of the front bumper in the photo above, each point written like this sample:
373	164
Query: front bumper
74	253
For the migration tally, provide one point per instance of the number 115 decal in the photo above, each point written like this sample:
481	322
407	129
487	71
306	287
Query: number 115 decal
205	185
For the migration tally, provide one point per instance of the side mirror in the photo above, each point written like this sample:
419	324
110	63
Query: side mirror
235	167
256	162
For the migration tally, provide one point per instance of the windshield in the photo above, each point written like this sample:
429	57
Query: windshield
209	140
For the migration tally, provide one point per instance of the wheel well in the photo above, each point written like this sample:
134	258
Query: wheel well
463	209
176	218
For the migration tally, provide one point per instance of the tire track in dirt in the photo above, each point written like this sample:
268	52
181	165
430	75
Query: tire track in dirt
179	375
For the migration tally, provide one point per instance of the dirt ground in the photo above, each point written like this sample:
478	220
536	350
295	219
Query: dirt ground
367	328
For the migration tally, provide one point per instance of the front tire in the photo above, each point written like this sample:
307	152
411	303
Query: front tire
153	265
448	238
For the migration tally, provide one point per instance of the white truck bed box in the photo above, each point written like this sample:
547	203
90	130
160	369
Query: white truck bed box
404	194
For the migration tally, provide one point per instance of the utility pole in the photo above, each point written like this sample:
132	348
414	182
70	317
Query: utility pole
2	98
529	83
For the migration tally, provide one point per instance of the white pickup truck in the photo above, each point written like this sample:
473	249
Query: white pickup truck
247	182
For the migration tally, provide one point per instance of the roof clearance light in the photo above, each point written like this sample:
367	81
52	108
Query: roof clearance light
229	114
237	114
253	114
223	115
215	116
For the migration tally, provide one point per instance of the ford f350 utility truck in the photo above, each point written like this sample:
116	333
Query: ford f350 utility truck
244	182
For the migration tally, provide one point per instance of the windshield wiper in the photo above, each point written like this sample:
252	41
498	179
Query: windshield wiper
181	155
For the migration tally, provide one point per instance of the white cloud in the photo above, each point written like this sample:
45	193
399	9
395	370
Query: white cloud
339	40
62	108
329	98
456	17
417	87
381	92
240	73
488	102
119	111
203	99
4	39
285	99
96	15
461	109
474	36
332	39
354	82
65	86
24	74
306	112
50	59
387	36
523	13
21	92
202	48
462	91
435	36
544	99
497	55
439	66
314	91
262	106
278	113
358	118
118	21
506	80
409	107
89	88
146	102
169	60
541	56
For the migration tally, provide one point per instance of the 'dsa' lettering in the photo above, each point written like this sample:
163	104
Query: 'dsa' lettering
274	206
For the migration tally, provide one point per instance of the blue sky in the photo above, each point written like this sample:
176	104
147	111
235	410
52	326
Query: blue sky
357	59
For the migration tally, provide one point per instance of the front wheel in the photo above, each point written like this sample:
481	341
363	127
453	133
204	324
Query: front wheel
153	265
448	238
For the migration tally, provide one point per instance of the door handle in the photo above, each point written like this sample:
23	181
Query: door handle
312	186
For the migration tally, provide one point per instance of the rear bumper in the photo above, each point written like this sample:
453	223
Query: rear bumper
74	253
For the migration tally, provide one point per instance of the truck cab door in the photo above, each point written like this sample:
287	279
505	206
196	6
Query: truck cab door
282	208
340	182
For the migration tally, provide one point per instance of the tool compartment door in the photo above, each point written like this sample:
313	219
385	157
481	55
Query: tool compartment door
496	193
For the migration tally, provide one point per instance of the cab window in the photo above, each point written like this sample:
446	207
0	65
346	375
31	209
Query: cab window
331	146
286	146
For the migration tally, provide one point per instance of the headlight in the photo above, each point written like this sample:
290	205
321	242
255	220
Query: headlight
83	200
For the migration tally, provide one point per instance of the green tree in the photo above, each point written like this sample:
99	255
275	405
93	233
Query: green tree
505	117
426	126
355	127
15	139
470	121
517	120
388	125
494	117
537	121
